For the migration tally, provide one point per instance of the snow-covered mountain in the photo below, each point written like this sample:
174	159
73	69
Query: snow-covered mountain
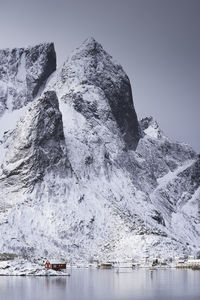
80	177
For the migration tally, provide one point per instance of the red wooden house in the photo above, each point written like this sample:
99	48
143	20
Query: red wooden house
55	265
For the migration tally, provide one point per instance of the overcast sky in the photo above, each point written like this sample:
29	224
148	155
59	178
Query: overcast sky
156	41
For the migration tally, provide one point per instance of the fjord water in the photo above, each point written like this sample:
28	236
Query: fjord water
91	284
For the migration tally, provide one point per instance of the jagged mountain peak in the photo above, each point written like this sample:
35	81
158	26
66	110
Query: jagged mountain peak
41	45
91	48
150	126
90	60
90	71
23	72
93	51
90	44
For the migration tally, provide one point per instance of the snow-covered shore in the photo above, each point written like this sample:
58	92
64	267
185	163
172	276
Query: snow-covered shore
22	267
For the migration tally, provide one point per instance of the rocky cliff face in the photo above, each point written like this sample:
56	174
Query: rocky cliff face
92	180
37	143
23	71
99	89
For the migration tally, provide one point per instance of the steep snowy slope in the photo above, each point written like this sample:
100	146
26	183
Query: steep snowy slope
23	73
37	143
81	177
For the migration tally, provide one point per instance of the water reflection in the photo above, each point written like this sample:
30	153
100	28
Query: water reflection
58	282
88	284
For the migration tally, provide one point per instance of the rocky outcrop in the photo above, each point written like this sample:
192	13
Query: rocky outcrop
100	89
161	153
38	143
23	71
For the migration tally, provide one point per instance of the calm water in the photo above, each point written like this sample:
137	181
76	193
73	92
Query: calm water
86	284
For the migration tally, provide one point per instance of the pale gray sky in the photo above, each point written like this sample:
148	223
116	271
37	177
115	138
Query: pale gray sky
156	41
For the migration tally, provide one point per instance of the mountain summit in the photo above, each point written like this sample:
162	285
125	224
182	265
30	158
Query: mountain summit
91	67
80	177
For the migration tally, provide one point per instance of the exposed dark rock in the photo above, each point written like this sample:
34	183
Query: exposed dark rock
23	71
37	143
95	67
158	218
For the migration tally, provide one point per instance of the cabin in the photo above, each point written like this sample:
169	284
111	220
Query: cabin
106	265
55	265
